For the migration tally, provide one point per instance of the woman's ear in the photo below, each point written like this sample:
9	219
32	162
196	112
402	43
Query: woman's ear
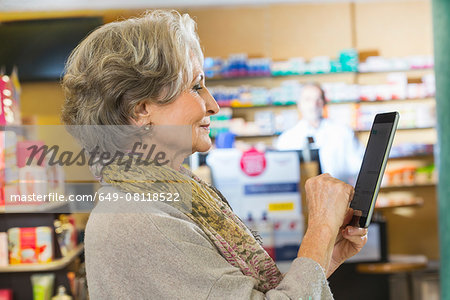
142	114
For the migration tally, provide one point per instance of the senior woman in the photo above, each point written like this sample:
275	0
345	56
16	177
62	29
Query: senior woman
146	73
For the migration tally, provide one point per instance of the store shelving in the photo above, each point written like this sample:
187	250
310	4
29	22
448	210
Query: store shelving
401	129
408	186
213	79
260	106
274	81
417	72
32	214
18	276
390	267
380	101
355	101
261	136
416	202
244	87
424	155
56	264
410	71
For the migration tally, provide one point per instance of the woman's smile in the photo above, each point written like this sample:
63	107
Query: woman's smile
205	127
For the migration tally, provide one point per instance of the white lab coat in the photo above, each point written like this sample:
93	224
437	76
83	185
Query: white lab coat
340	152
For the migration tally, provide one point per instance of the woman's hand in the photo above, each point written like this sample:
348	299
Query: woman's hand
328	200
350	240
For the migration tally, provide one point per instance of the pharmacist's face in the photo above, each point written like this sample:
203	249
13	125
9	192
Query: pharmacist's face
311	104
191	110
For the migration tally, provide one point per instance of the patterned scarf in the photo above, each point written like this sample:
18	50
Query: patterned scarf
210	211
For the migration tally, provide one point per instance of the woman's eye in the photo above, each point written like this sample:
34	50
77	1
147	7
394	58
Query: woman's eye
197	87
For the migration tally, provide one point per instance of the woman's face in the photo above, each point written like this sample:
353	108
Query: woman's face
192	108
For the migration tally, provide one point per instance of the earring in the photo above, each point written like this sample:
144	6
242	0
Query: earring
147	127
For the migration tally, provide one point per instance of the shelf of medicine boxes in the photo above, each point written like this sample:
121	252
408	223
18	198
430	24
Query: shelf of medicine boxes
374	102
56	264
347	77
269	137
330	103
275	81
357	131
244	106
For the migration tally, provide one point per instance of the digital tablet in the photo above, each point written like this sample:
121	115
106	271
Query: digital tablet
372	168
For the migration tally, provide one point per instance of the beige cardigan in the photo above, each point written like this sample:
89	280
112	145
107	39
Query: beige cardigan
162	254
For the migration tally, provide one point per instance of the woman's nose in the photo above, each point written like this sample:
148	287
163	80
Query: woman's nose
212	107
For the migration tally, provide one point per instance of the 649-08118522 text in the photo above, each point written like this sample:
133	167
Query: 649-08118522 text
139	197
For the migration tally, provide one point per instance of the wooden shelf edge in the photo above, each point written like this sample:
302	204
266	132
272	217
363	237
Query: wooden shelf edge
394	71
417	203
51	266
262	136
36	208
380	101
332	103
399	129
433	184
259	106
214	79
413	156
390	267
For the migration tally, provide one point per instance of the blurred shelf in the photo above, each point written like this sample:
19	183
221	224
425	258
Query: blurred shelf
406	264
380	101
398	129
415	203
237	78
255	136
394	187
57	264
409	71
17	129
90	181
331	103
260	106
276	81
220	78
413	156
33	208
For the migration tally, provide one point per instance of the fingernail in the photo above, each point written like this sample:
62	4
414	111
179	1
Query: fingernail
350	230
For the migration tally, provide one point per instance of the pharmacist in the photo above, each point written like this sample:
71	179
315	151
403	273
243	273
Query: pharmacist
339	151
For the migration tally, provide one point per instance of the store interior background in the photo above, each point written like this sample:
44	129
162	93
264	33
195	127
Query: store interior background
281	31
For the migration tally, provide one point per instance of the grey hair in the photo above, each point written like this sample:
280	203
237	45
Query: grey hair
122	64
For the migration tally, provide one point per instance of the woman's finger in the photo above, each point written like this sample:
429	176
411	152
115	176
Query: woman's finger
355	231
358	240
348	216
